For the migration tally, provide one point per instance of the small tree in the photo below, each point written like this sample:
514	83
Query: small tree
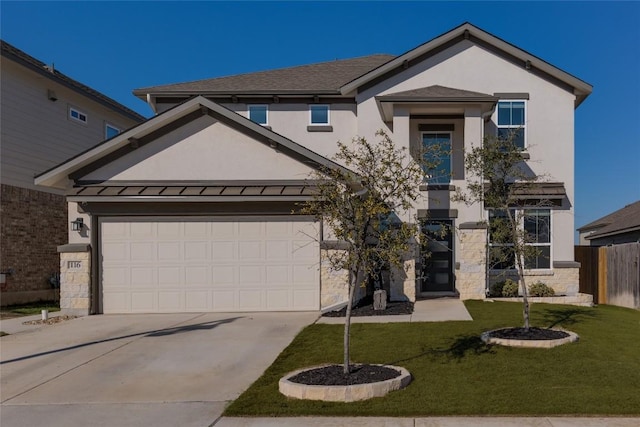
360	209
496	177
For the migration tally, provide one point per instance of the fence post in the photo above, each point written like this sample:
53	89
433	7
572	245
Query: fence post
602	275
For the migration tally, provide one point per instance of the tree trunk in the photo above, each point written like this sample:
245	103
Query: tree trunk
518	247
353	279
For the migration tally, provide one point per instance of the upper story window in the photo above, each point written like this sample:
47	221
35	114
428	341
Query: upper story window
437	157
259	114
110	131
319	114
511	121
78	115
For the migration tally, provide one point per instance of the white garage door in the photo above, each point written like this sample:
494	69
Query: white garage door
152	265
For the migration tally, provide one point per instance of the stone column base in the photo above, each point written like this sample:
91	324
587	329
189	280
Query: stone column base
75	279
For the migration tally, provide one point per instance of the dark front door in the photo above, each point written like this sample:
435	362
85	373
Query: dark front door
436	272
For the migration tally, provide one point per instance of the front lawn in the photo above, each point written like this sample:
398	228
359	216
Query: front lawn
455	373
29	309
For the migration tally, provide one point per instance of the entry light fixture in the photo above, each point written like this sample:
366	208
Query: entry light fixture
77	224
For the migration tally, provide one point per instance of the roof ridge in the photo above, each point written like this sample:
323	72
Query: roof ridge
39	66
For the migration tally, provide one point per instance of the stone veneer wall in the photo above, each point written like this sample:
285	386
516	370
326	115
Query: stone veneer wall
563	280
75	279
335	284
32	224
471	273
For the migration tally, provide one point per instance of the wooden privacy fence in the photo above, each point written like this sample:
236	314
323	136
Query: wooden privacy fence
611	273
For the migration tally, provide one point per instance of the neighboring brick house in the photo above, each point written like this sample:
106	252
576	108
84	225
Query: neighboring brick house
46	118
192	210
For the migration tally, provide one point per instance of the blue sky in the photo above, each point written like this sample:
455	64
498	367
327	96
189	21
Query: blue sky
116	47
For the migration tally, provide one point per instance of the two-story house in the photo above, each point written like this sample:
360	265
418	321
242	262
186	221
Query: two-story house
192	210
46	118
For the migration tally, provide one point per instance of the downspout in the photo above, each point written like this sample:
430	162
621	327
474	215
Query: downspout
487	257
152	103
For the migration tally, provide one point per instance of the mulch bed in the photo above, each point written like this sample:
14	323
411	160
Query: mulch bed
333	375
530	334
365	308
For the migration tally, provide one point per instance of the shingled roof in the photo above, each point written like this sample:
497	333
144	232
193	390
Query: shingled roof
622	220
11	52
319	78
437	93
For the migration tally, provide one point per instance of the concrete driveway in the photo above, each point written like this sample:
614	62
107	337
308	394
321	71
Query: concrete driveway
138	370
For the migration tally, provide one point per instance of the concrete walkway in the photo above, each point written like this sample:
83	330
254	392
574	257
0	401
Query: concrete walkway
430	310
429	422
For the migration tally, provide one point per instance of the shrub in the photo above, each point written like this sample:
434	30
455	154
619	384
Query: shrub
510	288
495	290
539	289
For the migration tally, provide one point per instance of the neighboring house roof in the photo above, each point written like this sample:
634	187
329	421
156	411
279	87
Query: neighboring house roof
348	75
157	126
320	78
621	221
437	93
476	35
11	52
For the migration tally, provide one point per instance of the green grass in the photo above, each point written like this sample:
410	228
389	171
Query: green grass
28	309
455	373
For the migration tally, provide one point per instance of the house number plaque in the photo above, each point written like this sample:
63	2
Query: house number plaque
74	265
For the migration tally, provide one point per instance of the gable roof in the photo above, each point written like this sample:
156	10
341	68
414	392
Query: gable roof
172	119
467	31
13	53
319	78
342	77
621	221
437	93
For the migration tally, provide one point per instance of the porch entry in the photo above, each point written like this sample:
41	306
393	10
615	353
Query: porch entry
437	269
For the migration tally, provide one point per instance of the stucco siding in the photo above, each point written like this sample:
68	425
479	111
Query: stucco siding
37	133
204	149
549	123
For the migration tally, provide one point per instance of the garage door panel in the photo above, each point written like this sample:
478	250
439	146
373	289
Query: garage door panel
277	249
208	264
170	301
169	251
142	229
278	299
224	300
197	275
142	251
224	250
278	274
143	302
196	300
250	300
224	275
196	251
115	251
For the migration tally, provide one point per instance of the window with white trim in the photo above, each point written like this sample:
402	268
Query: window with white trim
319	114
536	224
512	121
77	115
259	114
110	131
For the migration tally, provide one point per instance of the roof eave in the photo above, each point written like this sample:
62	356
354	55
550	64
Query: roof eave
581	88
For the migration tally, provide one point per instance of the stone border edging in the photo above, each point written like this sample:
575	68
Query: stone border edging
339	393
573	337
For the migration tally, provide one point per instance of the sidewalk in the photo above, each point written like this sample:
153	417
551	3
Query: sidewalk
429	422
430	310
